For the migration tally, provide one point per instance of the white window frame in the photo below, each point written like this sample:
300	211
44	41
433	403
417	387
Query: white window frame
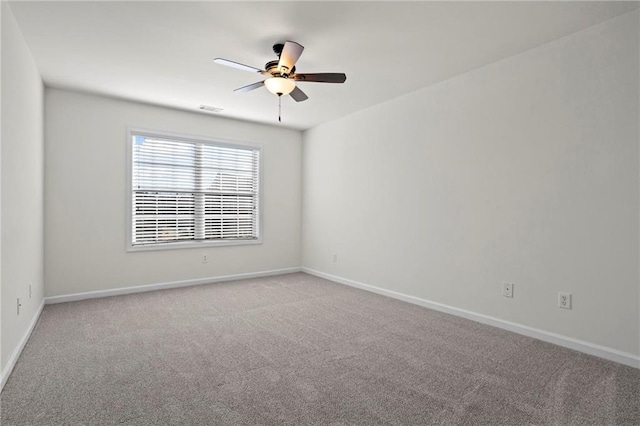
191	139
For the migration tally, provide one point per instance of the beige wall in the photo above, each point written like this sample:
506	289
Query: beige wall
21	171
524	170
85	219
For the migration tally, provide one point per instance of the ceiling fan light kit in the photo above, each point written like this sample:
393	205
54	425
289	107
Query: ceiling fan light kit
279	85
281	74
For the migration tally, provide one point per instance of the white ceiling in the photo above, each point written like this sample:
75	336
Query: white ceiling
162	52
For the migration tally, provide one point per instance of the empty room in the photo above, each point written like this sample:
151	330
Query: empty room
320	213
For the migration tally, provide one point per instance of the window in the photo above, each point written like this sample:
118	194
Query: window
187	192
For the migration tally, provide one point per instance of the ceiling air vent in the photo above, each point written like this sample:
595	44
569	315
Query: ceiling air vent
210	108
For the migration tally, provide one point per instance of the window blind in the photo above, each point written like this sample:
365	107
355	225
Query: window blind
193	191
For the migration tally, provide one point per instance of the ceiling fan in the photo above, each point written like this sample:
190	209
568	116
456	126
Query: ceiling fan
281	74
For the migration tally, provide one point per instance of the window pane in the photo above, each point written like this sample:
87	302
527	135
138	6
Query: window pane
193	190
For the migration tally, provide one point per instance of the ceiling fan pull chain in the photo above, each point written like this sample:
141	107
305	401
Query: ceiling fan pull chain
279	107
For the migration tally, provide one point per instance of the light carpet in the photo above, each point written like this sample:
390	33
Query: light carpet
294	350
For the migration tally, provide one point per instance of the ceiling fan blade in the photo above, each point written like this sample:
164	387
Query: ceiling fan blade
324	77
289	56
250	87
298	95
237	65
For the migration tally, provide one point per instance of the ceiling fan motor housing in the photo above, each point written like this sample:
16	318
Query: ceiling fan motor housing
272	68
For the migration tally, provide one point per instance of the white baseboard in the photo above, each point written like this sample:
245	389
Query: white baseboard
560	340
160	286
6	372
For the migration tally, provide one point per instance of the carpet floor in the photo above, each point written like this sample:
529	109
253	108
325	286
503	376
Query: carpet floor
296	349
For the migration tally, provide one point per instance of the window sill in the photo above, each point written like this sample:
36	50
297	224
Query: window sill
192	245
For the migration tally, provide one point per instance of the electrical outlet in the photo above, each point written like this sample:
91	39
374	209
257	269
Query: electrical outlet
507	289
18	306
205	258
564	300
334	257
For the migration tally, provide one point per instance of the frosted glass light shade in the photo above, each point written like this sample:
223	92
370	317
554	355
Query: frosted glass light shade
279	85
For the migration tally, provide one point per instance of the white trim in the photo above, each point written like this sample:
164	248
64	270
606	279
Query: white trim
6	372
160	286
193	244
557	339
